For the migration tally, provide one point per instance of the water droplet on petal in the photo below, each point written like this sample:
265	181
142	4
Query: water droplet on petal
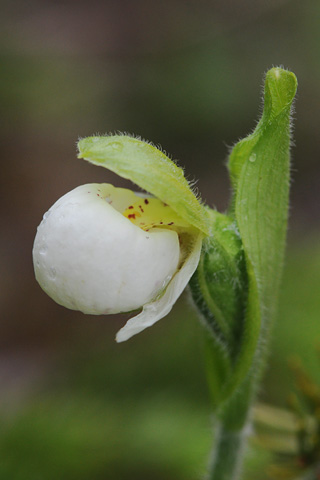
52	273
43	249
253	157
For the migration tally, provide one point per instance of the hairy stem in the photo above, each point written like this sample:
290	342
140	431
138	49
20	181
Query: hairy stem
226	462
231	432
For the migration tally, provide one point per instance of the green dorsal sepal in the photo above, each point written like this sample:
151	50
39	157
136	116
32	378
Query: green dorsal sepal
150	169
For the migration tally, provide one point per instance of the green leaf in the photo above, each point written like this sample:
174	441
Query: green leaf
150	169
260	171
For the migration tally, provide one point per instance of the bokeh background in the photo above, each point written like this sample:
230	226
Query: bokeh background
186	75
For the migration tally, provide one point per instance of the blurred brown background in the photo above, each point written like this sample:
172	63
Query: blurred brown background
186	75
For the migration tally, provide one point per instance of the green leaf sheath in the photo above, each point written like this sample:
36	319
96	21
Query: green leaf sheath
150	169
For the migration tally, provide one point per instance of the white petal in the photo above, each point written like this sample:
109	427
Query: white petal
154	311
89	257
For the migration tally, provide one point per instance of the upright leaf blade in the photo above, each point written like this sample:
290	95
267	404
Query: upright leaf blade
151	169
262	184
260	171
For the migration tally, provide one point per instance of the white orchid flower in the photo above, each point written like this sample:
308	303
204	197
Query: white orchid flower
101	249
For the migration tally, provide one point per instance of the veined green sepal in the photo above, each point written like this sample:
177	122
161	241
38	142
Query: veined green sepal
221	279
150	169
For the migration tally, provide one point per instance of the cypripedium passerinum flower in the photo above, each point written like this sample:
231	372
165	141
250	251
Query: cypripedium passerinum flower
101	249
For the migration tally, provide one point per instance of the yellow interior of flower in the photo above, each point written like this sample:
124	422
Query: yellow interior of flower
149	213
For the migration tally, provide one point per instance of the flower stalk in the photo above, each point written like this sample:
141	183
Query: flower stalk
259	167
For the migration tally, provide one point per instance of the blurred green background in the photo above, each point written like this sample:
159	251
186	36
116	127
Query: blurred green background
186	75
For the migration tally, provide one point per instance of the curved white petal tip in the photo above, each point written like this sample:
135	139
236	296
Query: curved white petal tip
154	311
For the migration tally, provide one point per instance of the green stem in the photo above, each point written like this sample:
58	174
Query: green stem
231	432
226	462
